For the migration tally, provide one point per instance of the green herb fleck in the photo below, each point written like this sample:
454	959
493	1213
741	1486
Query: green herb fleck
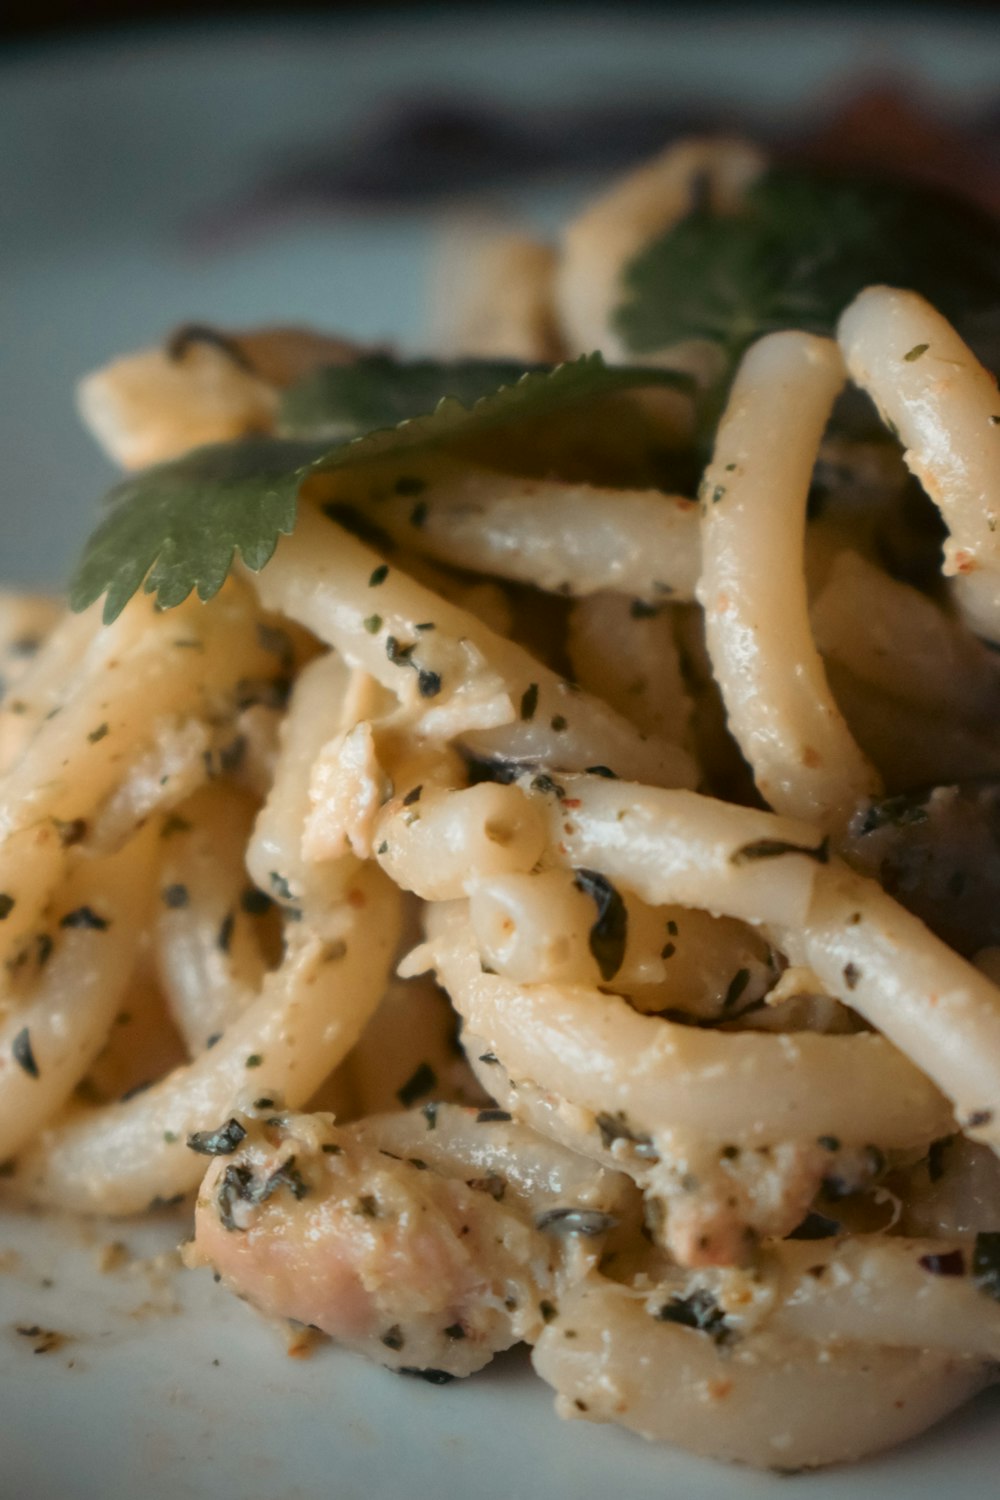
22	1053
85	917
608	934
774	848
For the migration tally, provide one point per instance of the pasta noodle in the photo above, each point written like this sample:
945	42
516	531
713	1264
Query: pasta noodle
539	904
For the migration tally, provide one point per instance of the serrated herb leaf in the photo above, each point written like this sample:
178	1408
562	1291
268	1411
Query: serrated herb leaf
538	393
177	527
378	391
800	248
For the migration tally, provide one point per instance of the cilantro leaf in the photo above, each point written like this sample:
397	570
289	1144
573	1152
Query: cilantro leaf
177	527
800	248
538	393
378	391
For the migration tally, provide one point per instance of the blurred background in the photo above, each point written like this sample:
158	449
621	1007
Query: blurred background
240	164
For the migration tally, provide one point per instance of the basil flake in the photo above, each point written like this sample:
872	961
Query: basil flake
609	933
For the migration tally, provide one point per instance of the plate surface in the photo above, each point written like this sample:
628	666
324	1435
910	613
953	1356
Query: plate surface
157	178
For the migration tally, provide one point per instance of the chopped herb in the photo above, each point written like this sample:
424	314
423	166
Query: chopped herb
373	624
774	848
71	831
225	934
672	928
84	916
851	975
828	1142
43	949
529	701
171	1137
488	1057
420	1082
412	796
947	1263
454	1331
330	1148
605	771
213	1039
428	683
915	352
608	935
237	1186
737	985
490	1116
220	1142
397	654
7	904
492	1184
894	812
699	1310
393	1337
614	1128
545	784
558	723
254	1060
175	896
585	1221
430	1114
433	1377
367	1206
280	886
640	610
378	575
98	733
287	1175
977	1118
986	1263
383	848
425	625
815	1227
22	1053
668	950
548	1311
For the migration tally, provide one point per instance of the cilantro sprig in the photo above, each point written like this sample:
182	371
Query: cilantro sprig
379	391
800	247
176	528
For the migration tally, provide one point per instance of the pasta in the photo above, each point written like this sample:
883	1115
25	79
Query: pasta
553	898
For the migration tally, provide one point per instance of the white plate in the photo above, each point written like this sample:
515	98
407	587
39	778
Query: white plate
115	153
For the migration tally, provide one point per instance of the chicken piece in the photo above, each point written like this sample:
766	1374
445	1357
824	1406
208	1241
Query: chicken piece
428	1240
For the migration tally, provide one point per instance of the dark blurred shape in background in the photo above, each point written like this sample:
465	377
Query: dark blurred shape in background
27	18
